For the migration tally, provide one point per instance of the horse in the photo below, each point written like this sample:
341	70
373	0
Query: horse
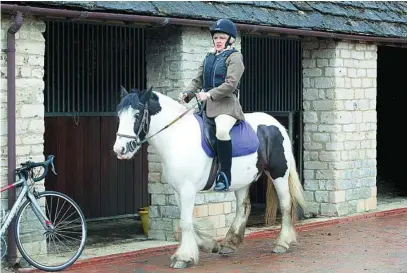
187	163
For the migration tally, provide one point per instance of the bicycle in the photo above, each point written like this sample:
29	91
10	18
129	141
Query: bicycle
49	217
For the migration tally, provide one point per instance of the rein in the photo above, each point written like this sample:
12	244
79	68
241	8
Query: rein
132	145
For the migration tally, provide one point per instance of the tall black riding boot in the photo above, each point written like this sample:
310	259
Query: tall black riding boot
223	178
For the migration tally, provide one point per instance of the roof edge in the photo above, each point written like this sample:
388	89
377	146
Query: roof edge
101	16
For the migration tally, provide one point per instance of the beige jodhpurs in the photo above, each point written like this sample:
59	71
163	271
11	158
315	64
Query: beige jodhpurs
224	124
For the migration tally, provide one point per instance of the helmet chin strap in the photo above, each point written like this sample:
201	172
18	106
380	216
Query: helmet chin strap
228	42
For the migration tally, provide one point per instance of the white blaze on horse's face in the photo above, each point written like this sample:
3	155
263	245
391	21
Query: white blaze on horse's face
127	119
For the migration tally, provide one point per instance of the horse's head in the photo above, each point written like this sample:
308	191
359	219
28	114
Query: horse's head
134	111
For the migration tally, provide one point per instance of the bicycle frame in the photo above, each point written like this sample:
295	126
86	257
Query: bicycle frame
25	193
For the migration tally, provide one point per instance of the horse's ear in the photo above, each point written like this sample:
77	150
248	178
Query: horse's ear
123	91
147	95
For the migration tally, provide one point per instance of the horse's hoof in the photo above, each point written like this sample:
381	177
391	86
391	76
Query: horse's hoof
279	249
179	264
226	250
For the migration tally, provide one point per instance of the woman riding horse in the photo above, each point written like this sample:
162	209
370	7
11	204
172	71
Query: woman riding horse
219	76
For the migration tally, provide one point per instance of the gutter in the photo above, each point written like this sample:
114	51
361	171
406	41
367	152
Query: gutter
11	126
192	22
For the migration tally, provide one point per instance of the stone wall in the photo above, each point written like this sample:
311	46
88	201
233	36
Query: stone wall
173	57
340	127
30	50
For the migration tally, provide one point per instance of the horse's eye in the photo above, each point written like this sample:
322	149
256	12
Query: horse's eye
136	116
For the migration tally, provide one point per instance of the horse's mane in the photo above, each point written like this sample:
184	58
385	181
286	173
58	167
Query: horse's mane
166	101
133	99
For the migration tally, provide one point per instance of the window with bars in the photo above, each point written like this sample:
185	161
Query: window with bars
85	65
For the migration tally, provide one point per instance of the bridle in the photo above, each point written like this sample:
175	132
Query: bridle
135	143
132	145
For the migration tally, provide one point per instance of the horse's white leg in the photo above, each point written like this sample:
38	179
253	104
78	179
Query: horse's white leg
287	233
205	241
188	249
236	231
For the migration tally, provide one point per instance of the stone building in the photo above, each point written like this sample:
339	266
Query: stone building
327	67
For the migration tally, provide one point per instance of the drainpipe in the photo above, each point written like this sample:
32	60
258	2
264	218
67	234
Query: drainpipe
11	125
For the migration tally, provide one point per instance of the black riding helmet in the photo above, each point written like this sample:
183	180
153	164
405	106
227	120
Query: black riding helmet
225	26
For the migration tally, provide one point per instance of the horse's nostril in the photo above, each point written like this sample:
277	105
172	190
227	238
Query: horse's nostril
122	151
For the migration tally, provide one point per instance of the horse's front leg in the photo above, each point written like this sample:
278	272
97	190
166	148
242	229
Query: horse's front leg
187	251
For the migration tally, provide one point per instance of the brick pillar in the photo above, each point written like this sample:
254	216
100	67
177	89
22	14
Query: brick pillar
340	127
173	57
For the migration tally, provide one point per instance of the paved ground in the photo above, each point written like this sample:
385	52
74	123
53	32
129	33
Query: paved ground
367	245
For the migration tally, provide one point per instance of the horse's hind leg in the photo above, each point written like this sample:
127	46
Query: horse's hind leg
287	234
236	231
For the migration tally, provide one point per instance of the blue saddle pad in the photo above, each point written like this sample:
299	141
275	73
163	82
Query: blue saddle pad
244	139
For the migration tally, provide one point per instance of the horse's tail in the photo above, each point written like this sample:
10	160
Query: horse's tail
296	191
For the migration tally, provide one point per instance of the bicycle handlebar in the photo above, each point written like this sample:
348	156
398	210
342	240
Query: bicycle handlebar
45	164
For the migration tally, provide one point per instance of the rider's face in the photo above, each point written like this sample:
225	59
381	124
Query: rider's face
219	40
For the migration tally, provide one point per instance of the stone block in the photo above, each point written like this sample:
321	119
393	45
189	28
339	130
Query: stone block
313	207
339	209
31	111
322	62
337	197
309	174
309	196
371	203
159	188
324	82
328	156
334	146
154	177
154	211
326	105
30	47
335	128
373	191
311	94
32	139
154	234
170	200
312	72
322	196
161	224
201	211
227	207
169	212
315	165
158	199
311	185
313	146
321	137
360	206
310	117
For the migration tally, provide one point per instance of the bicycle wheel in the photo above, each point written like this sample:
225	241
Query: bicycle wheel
60	244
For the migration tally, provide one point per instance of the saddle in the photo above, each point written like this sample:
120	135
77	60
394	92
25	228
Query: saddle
244	141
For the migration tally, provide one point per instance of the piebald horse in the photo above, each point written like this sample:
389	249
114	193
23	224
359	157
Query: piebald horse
187	165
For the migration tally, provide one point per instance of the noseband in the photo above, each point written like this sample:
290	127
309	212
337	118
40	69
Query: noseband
131	146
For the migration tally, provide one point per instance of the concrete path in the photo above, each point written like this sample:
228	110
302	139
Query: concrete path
376	245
